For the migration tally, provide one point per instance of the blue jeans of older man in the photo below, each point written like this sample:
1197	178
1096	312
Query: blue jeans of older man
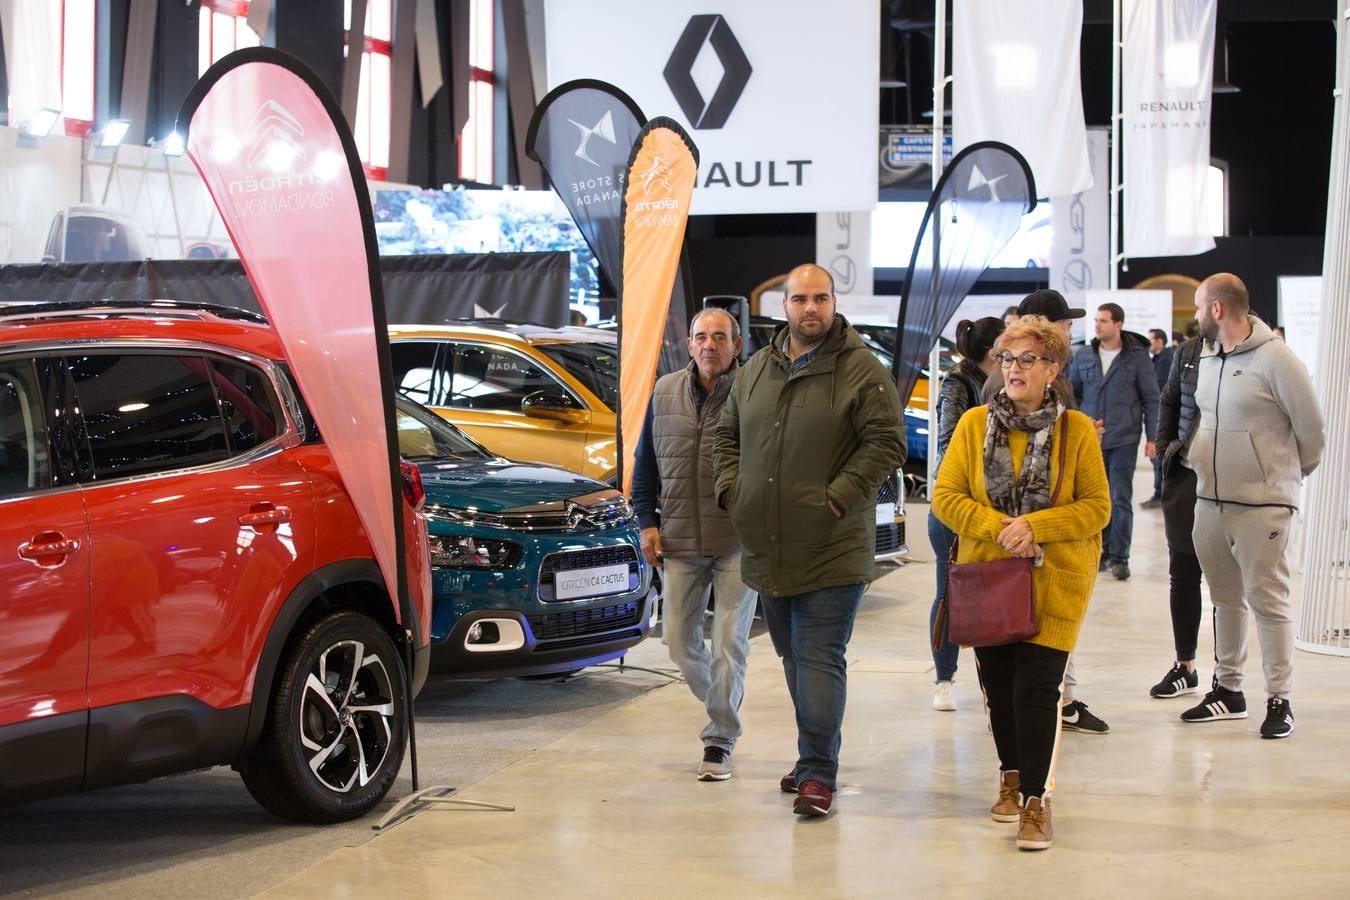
810	632
716	677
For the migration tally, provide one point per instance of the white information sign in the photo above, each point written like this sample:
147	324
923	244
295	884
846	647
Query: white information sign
775	133
1143	310
1301	316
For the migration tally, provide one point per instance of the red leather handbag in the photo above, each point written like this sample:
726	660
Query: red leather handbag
992	602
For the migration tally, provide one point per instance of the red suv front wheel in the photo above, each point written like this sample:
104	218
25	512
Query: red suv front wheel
337	724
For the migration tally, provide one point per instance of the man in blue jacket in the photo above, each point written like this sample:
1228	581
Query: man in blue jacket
1113	380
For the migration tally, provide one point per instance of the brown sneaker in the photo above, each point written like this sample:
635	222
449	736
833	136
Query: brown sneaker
1035	832
788	783
1009	805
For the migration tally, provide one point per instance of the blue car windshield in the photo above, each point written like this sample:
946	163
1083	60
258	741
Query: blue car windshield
424	435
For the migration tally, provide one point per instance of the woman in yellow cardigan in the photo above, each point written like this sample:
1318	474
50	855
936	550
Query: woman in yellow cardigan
994	491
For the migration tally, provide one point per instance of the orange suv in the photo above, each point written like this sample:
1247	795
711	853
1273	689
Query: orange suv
524	391
185	581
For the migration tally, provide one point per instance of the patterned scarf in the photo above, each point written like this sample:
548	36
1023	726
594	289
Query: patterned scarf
1011	494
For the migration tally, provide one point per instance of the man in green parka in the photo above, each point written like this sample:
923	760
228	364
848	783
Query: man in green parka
809	432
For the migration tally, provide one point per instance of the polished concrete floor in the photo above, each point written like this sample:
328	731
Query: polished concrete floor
1155	808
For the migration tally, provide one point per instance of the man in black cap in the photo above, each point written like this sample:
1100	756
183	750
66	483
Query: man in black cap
1074	714
1052	305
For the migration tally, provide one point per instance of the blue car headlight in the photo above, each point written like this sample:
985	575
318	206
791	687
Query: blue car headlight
465	552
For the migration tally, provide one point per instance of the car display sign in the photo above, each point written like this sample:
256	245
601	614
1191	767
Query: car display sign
593	582
885	513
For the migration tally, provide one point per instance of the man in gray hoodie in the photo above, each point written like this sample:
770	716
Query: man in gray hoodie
1260	433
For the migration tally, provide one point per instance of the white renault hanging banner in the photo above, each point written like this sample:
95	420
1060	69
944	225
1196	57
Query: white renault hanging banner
1015	79
782	98
1167	74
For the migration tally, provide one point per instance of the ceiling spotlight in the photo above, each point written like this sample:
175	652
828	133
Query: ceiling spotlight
41	123
113	132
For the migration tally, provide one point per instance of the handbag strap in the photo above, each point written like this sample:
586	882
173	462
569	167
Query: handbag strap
1063	445
1059	478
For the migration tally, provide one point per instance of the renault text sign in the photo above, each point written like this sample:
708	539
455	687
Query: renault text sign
781	98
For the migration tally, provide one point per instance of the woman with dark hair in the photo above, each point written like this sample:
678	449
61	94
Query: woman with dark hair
959	392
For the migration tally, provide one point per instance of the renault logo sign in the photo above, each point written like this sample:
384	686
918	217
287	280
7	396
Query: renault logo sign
714	31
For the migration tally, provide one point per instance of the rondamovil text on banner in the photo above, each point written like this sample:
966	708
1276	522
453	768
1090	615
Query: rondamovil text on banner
779	128
281	166
657	190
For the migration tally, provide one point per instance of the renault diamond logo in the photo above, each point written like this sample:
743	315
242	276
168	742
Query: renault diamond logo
714	31
604	129
273	138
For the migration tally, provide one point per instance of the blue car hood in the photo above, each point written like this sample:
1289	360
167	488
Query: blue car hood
494	485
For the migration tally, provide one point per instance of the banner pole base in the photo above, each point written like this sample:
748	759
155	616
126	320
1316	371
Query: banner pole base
418	800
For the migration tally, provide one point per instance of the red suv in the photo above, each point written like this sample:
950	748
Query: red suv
184	581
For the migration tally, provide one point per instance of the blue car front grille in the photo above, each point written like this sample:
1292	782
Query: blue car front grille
565	560
581	626
890	490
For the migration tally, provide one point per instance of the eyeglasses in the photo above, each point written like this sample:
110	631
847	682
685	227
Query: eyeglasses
1025	361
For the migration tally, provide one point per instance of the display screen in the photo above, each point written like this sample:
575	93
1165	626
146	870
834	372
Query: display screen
895	225
484	221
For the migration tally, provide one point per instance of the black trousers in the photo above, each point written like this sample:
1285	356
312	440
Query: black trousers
1178	506
1021	684
1184	571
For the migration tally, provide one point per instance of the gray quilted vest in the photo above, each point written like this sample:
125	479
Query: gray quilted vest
692	524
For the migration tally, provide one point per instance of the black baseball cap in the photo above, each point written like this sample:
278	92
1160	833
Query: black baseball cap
1049	303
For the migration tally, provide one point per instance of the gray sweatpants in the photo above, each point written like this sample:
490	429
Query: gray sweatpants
1242	552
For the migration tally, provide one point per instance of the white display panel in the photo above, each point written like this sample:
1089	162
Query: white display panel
781	125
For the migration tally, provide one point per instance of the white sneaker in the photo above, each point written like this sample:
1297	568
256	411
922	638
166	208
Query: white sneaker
942	697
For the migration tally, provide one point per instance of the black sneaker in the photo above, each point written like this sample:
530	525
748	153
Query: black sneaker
1120	569
1279	719
1219	703
1104	565
1175	683
1151	503
1075	717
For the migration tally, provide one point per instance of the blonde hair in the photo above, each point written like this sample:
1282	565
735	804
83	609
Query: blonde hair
1044	332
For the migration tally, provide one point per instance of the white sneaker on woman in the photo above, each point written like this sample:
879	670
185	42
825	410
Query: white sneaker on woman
942	697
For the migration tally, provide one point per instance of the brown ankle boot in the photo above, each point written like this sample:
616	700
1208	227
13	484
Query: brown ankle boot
1035	831
1008	808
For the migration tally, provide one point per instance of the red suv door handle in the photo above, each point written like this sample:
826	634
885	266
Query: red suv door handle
265	517
48	549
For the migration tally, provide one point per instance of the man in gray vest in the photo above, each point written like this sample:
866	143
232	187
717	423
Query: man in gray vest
687	535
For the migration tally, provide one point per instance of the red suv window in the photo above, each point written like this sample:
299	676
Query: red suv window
24	460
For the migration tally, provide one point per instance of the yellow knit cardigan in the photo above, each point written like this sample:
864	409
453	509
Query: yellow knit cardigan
1069	531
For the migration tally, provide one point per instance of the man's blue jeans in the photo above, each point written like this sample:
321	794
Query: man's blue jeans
944	658
717	678
1120	475
810	632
